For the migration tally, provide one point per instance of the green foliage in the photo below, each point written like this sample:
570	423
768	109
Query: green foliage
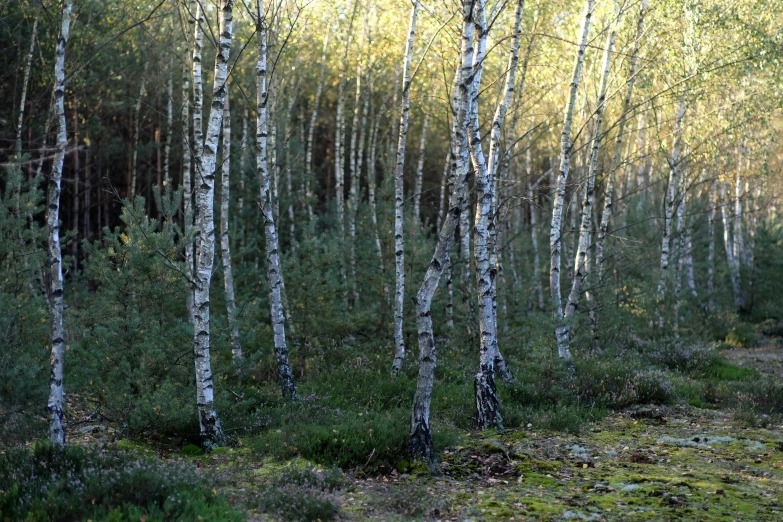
741	336
24	315
131	358
52	483
301	493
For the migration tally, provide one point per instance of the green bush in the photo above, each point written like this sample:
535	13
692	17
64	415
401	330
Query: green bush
741	336
53	483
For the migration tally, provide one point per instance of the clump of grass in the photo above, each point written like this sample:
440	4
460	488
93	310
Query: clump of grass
53	483
301	493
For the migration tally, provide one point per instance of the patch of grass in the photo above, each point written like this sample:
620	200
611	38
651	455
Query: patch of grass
724	371
301	493
52	483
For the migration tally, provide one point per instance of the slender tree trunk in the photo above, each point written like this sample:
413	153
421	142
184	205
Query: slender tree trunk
442	195
289	182
420	435
356	167
538	288
270	230
399	197
679	244
562	178
586	226
311	129
55	404
420	174
732	261
670	204
25	83
169	128
187	187
75	194
339	155
739	239
206	163
225	244
487	401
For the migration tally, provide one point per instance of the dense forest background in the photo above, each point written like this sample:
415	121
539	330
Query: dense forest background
372	226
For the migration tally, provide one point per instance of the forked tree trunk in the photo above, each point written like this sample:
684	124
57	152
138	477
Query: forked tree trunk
206	163
55	403
671	197
225	244
586	226
562	178
487	402
270	230
399	198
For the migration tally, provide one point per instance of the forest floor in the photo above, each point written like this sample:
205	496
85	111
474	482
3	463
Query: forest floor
642	463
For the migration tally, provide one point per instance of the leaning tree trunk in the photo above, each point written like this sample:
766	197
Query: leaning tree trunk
23	99
399	198
55	403
211	431
274	273
487	401
606	217
225	244
565	163
586	226
420	435
670	204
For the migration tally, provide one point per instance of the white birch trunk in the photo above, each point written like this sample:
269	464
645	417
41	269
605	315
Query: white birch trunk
670	204
206	163
169	128
399	198
187	187
586	225
420	435
23	99
562	178
686	243
487	401
55	404
732	261
419	174
270	230
442	195
225	244
357	133
739	240
339	160
680	253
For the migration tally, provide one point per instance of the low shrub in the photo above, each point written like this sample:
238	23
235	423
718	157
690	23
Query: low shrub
53	483
741	336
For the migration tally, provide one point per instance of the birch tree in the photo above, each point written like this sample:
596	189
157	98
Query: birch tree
399	197
206	162
23	97
586	225
55	404
562	177
420	172
274	273
731	259
311	128
225	244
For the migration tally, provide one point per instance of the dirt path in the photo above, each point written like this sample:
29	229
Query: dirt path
767	358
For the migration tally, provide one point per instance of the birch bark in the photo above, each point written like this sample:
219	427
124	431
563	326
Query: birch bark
711	201
187	186
399	198
562	178
586	225
206	162
56	393
670	204
135	138
420	434
311	129
225	244
371	182
732	261
270	230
